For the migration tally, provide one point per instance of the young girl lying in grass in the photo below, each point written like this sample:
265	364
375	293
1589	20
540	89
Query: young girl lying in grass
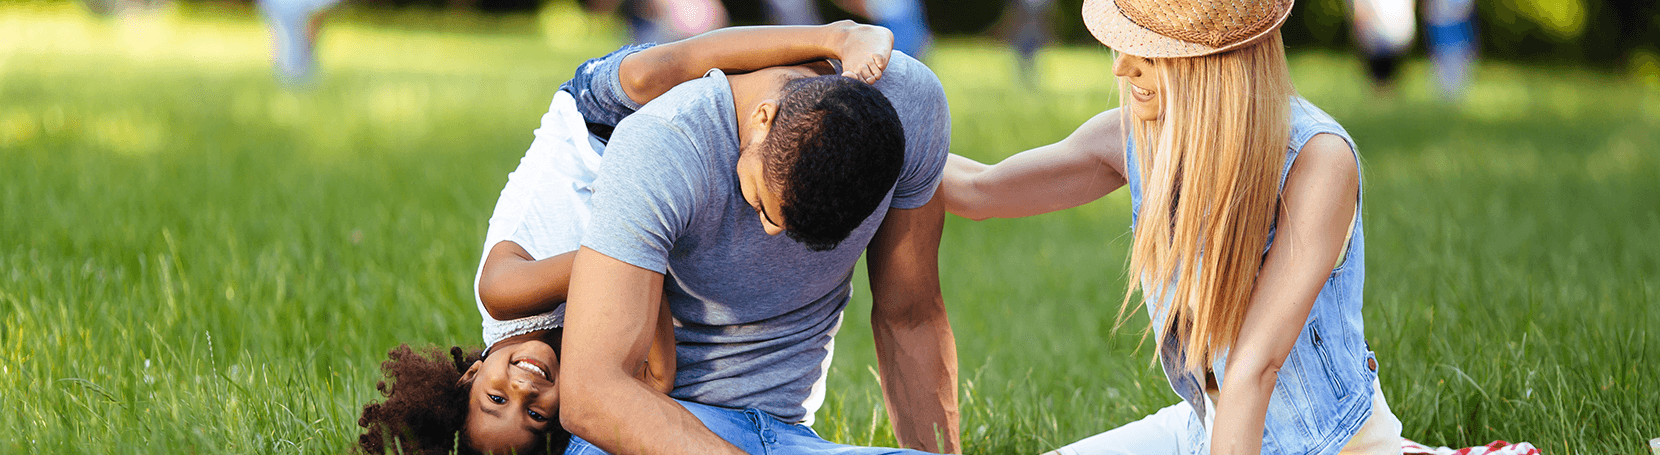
504	399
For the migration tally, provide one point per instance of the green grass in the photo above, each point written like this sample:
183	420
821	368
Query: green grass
194	259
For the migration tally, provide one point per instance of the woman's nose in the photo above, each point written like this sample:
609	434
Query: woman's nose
1121	66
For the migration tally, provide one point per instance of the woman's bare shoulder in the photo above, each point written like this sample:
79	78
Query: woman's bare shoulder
1328	155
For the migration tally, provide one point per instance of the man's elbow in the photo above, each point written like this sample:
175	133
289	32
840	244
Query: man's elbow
930	313
578	411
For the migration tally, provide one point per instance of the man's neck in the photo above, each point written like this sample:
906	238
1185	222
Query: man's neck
747	92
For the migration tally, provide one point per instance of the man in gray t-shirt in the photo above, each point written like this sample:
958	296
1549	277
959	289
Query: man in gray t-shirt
683	209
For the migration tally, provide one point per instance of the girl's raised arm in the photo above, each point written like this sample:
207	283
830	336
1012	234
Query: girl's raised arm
862	49
1083	167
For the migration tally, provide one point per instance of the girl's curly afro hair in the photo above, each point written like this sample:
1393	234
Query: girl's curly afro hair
425	406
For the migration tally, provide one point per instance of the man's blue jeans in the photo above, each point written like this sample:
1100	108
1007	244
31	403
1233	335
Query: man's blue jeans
757	432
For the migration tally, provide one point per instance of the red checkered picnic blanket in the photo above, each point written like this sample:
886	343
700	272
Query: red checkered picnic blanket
1496	448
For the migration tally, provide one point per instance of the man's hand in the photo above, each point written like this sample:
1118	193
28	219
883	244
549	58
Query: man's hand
915	349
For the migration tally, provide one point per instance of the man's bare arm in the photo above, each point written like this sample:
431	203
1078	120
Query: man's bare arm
610	323
660	360
915	349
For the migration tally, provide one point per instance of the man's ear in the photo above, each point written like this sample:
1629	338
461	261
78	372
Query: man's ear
761	120
471	374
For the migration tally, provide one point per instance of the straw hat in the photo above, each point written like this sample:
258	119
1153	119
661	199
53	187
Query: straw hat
1182	28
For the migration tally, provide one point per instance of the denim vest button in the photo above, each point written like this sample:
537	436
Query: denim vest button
1373	364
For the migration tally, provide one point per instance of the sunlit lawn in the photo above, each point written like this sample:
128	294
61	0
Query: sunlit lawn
195	259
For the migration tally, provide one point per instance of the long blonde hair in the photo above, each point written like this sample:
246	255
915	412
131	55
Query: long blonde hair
1211	169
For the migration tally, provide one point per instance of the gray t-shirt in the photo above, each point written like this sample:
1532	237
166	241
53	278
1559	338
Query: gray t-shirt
757	312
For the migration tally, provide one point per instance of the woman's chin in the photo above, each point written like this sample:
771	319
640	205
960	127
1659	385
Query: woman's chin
1146	116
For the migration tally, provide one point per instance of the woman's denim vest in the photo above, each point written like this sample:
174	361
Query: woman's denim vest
1324	391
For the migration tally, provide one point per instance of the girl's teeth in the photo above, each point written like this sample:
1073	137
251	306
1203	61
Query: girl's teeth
527	366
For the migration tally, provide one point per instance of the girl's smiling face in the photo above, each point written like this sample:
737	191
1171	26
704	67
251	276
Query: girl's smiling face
513	401
1146	85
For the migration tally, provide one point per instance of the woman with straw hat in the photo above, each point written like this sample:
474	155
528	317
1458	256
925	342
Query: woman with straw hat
1248	248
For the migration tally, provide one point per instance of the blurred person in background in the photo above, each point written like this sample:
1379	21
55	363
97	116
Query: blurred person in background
793	12
294	27
1383	29
1450	27
1027	26
662	21
118	8
906	18
656	21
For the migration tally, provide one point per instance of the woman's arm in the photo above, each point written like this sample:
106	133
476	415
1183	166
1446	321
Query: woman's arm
513	285
1083	167
863	50
1319	203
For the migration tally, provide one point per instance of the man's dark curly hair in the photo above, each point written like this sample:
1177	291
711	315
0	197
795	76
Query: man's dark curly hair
426	406
834	151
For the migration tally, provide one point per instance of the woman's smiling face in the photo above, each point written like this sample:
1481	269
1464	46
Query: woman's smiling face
1146	85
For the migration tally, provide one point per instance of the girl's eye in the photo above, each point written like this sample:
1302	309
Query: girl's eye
1148	60
537	416
497	399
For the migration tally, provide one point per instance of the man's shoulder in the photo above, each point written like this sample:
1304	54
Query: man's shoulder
693	100
684	134
919	99
907	81
694	111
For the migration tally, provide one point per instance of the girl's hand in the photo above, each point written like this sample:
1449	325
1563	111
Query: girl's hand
864	50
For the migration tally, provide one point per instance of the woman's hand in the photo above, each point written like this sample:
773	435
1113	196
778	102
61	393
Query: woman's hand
863	50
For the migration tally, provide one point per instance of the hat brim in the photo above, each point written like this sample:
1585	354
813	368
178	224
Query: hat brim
1112	28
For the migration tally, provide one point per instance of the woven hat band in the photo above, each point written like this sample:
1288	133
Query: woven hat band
1213	23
